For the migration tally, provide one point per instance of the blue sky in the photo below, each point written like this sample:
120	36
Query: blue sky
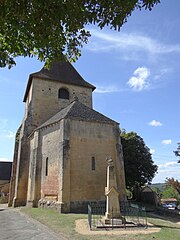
136	72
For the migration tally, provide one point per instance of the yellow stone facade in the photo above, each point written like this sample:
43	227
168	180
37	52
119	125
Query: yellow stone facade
60	159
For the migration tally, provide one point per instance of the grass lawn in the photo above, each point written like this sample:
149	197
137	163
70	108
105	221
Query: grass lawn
65	224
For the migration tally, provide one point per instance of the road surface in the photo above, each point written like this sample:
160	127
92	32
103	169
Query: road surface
17	226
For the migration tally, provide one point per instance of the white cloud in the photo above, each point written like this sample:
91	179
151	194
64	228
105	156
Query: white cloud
167	170
2	159
108	89
10	134
162	72
3	129
139	80
130	42
155	123
168	164
3	123
167	141
152	151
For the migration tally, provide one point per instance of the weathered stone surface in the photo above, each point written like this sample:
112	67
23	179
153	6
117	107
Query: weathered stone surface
63	146
111	192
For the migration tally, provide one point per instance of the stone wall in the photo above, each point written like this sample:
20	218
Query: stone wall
72	180
50	159
91	140
43	101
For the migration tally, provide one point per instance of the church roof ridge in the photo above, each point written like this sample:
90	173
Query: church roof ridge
59	71
79	111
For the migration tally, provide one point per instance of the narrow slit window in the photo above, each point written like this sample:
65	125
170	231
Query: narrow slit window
46	170
93	163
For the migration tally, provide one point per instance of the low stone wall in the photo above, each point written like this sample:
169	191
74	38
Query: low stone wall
3	199
43	203
79	207
75	207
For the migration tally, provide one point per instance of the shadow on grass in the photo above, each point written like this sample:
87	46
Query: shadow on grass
164	216
167	222
165	226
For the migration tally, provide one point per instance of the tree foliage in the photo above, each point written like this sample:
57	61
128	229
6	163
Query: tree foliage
50	29
175	184
177	152
139	166
170	192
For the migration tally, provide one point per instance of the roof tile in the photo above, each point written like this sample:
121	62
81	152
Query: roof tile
62	72
79	111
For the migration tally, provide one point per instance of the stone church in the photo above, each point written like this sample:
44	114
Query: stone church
62	144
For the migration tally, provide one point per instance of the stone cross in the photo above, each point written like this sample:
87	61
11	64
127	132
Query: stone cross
111	192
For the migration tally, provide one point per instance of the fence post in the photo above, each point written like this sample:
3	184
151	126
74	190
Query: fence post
112	218
89	216
145	216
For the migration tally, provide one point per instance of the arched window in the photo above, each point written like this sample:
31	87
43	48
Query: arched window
63	93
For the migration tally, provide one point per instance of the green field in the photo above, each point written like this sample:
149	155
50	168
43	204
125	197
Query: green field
64	224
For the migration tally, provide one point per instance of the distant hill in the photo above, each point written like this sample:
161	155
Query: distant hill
160	186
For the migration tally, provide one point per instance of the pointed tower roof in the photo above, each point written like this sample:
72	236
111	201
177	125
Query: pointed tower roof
62	72
78	111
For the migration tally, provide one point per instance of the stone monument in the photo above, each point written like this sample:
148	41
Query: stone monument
112	193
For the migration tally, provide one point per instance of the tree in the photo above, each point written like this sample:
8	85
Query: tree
139	166
177	152
175	184
156	190
50	29
170	192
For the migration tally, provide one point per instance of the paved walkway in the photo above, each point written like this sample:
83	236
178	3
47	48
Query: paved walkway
16	226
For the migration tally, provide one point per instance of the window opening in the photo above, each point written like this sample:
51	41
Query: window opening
46	170
93	163
63	93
